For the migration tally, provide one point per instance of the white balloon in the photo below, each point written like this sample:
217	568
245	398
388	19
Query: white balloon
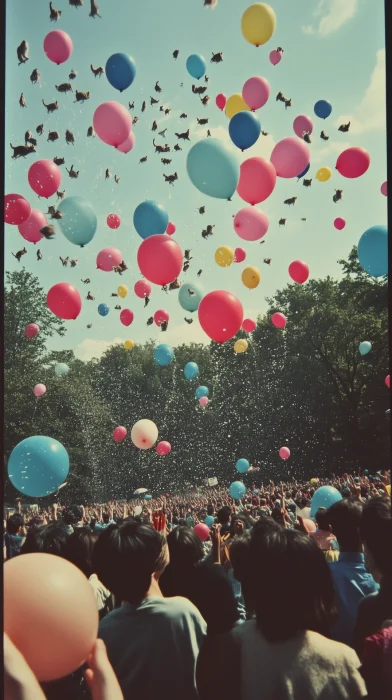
144	434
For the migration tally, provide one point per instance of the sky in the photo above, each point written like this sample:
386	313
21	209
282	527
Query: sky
333	50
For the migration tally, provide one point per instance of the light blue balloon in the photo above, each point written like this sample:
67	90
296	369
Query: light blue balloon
322	109
242	466
213	169
244	129
147	497
150	218
38	466
191	370
61	369
237	490
324	497
163	354
201	391
103	310
190	296
196	66
365	347
209	520
120	71
79	221
373	251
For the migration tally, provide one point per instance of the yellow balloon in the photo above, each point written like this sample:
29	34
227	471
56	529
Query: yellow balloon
258	23
241	345
235	104
129	344
122	291
323	174
224	256
251	277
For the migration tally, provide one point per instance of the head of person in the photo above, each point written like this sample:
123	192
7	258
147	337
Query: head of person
72	515
290	584
127	557
322	519
376	533
105	518
15	524
344	518
224	515
47	539
238	525
185	548
79	549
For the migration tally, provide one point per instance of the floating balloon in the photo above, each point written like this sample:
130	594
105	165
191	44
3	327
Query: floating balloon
365	347
237	490
353	162
258	23
113	221
16	209
383	189
79	221
196	66
150	218
108	258
213	169
202	531
224	256
275	57
144	434
122	291
163	354
256	92
128	144
240	346
242	466
147	497
119	433
239	255
220	101
31	330
339	223
299	271
324	497
234	104
190	296
160	259
201	391
278	320
251	277
163	448
61	369
248	325
220	315
250	224
203	401
30	230
388	381
289	157
44	178
126	317
323	174
58	46
302	125
170	228
191	370
322	109
142	289
39	390
64	301
257	180
284	453
129	344
303	172
373	251
103	309
120	71
209	520
244	130
38	466
161	316
112	123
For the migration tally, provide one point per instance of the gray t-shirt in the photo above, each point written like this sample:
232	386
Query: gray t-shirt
153	647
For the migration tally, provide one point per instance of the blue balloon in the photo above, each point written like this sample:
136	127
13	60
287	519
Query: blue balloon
322	109
201	391
242	466
38	466
163	354
191	370
120	71
196	66
303	172
324	497
190	296
373	251
103	310
61	369
79	221
209	520
147	497
213	169
237	490
244	129
150	218
365	347
366	472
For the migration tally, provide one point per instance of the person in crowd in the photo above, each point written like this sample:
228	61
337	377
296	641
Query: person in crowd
14	536
376	657
73	517
224	519
104	522
324	537
48	539
79	551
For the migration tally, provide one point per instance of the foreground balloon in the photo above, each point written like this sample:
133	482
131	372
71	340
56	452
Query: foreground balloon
163	448
258	23
242	466
323	174
235	104
248	325
112	123
244	130
384	189
302	125
142	289
213	169
278	320
324	497
39	390
150	218
79	221
339	223
16	209
44	178
113	221
289	157
224	256
240	346
257	180
38	466
126	317
299	271
108	258
144	434
250	224
220	101
322	109
196	66
64	301
58	46
202	531
365	347
128	144
251	277
62	600
163	354
237	490
256	92
119	433
191	370
160	259
120	71
201	391
388	381
220	315
373	251
61	369
190	296
31	330
353	162
284	453
30	230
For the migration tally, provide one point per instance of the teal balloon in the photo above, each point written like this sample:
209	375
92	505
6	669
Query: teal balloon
209	520
196	66
244	130
191	370
147	497
79	221
201	391
242	466
373	251
61	369
38	466
365	347
150	218
103	310
163	354
120	71
324	497
213	169
190	296
237	490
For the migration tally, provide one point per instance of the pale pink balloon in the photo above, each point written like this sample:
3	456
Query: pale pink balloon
30	229
220	101
250	224
256	92
142	289
44	178
384	188
113	123
284	452
388	381
239	255
58	46
119	433
171	228
108	258
160	317
257	180
128	144
113	220
339	223
275	57
39	390
290	157
278	320
203	401
163	448
16	209
248	325
31	330
302	125
126	317
299	271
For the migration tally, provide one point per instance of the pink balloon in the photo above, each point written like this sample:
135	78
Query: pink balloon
384	188
302	125
248	325
170	228
16	209
126	317
284	452
163	448
239	255
44	178
108	258
160	317
290	157
113	221
119	433
113	123
128	144
202	531
64	301
220	315
352	163
257	180
388	381
203	401
39	390
142	289
278	320
220	101
30	229
275	57
31	330
58	46
299	271
339	223
250	224
160	259
256	92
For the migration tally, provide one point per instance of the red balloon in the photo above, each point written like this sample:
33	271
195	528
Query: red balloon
64	301
171	228
44	178
353	162
16	209
339	223
163	448
31	330
388	381
113	221
119	433
299	271
220	315
257	180
248	325
126	317
160	317
278	320
142	289
239	255
202	531
160	259
30	230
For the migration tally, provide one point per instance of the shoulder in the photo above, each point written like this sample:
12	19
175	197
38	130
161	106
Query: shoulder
337	654
178	607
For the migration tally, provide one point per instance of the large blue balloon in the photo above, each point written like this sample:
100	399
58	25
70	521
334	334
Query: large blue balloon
163	354
322	109
196	66
242	466
324	497
190	296
120	71
244	129
103	310
191	370
209	520
373	251
61	369
303	172
213	169
79	220
38	466
201	391
365	347
150	218
237	490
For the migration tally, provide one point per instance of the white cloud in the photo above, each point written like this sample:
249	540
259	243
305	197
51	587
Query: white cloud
186	333
331	150
370	113
262	148
94	348
333	15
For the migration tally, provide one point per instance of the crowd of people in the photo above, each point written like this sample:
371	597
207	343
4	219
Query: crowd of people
272	604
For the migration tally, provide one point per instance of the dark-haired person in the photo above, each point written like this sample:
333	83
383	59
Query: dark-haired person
47	539
324	536
14	536
79	551
282	653
224	517
152	642
73	517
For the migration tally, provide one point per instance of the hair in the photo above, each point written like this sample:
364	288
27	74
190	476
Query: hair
126	556
239	556
79	549
72	515
376	532
322	519
234	520
344	518
290	584
105	518
185	548
223	515
14	523
48	539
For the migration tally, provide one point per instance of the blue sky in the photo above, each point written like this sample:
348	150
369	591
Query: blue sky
334	51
